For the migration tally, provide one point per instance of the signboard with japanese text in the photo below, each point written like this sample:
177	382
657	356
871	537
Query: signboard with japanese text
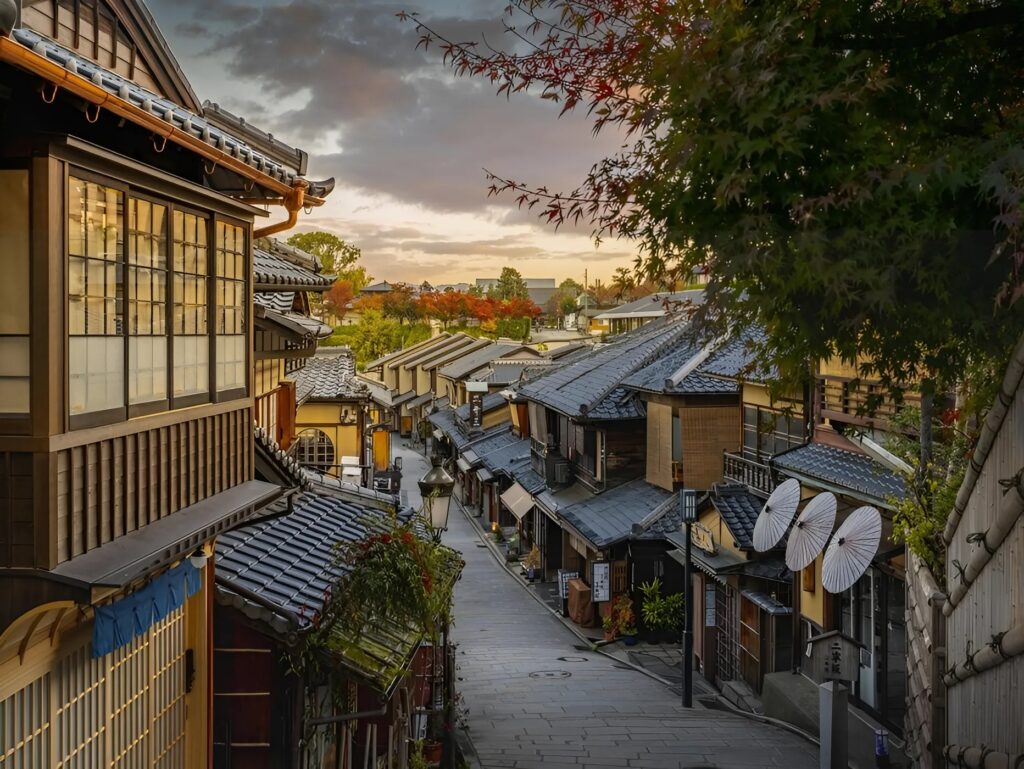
600	585
702	538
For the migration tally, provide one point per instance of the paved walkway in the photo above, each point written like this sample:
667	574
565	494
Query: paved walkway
536	700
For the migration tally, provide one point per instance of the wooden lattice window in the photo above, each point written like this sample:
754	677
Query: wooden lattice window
25	726
124	710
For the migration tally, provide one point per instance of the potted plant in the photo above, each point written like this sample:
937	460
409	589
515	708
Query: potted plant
432	750
620	620
655	611
416	759
532	562
629	636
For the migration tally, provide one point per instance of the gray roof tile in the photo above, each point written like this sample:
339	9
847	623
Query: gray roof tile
739	510
476	360
289	559
581	387
273	270
738	359
608	518
329	376
171	113
863	477
653	305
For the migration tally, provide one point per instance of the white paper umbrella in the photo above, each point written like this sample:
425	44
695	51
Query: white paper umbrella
810	532
852	547
777	513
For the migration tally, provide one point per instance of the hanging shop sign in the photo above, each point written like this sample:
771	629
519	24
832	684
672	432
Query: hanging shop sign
601	584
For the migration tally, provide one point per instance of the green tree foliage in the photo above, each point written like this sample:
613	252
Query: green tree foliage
510	285
335	254
571	286
849	171
375	336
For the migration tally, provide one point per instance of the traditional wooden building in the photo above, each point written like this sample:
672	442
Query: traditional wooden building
126	219
271	584
332	406
285	334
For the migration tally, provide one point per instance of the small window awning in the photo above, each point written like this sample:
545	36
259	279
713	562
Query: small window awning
463	464
518	500
766	602
484	475
127	558
471	457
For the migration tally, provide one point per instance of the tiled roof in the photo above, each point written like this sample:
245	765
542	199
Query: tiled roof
655	376
581	387
506	372
739	510
652	306
434	340
271	270
491	402
295	324
274	465
524	474
608	518
289	561
190	123
504	458
477	359
492	441
854	474
566	349
737	359
444	420
330	485
282	301
457	348
329	376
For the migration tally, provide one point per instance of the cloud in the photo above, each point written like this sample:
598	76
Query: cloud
406	140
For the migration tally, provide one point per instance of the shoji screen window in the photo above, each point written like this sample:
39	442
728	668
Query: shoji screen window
191	302
230	306
147	305
95	298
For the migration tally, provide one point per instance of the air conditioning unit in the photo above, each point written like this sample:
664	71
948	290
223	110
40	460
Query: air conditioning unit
557	470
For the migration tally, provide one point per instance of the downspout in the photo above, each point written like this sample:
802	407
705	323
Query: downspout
293	203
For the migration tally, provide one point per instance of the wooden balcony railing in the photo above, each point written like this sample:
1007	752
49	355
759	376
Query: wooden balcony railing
739	469
861	403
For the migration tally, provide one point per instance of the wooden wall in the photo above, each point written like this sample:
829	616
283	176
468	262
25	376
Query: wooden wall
625	452
988	708
110	482
659	445
707	432
93	32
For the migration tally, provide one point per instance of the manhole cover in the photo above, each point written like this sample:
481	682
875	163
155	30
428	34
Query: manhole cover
572	659
550	674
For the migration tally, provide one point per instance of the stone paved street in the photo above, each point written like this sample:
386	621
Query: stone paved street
537	701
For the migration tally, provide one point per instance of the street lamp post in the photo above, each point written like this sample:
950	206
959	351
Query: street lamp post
688	508
436	489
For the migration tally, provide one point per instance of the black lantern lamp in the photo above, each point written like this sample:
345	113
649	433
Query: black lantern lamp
436	489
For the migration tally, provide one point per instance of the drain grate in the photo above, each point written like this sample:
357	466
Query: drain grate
550	674
572	659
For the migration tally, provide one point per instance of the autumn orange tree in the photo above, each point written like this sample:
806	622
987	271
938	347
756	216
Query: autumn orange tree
850	171
338	297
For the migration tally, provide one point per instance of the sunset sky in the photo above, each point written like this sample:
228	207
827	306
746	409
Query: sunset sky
406	141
